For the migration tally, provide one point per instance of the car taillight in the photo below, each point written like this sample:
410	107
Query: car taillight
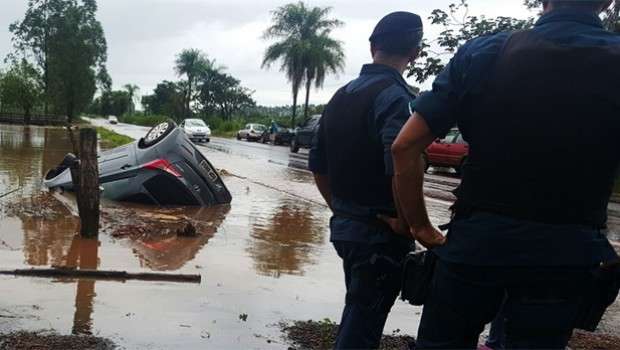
162	164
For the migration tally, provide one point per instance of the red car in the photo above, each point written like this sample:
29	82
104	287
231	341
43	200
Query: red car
451	151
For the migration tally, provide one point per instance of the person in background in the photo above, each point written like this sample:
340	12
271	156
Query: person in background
538	108
352	163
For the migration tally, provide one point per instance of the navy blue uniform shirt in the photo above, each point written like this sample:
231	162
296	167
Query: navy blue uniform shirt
392	109
489	239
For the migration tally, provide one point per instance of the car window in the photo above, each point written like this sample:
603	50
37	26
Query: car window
195	122
450	136
248	126
260	128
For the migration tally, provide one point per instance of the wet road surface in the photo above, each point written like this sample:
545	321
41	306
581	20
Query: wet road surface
267	255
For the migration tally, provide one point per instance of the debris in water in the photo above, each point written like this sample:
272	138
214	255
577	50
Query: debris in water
188	231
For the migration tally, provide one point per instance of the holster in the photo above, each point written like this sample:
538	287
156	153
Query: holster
602	292
418	274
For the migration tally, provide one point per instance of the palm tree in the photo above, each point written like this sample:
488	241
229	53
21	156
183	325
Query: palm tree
301	32
132	90
191	62
325	55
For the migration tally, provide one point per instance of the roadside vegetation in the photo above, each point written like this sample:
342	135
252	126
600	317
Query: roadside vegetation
110	139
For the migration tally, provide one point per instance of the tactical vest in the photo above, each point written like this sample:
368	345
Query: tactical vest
355	154
544	133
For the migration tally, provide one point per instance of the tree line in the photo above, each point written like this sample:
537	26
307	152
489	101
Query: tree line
60	51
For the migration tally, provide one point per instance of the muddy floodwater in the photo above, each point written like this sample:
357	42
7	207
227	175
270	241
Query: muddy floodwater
264	259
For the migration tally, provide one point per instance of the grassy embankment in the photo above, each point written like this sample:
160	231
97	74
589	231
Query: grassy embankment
110	139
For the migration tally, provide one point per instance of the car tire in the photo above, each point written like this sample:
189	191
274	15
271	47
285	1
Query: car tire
264	139
238	137
294	146
156	134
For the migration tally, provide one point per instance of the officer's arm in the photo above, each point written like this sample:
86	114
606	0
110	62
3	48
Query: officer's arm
322	183
407	151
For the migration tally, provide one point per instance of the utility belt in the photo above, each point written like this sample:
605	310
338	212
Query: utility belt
375	223
603	289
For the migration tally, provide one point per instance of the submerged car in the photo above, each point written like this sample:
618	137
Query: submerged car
163	168
196	130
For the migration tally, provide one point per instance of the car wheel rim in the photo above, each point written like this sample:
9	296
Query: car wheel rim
157	132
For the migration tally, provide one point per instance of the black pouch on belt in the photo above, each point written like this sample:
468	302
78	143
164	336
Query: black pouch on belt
417	277
603	292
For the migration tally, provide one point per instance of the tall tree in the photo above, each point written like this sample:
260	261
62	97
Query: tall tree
167	99
77	53
190	63
296	29
132	90
459	27
221	93
20	88
325	55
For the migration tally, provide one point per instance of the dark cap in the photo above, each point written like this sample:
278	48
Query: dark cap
398	23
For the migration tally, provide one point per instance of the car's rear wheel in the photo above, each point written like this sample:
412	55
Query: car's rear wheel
238	136
157	133
294	145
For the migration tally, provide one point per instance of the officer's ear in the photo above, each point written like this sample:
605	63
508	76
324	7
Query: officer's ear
413	55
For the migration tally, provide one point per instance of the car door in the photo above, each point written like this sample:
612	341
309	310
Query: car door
308	131
457	151
439	151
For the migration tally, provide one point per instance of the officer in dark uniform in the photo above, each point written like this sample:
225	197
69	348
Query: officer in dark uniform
540	110
352	162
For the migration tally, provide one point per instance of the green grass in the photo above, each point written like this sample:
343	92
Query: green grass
110	139
143	120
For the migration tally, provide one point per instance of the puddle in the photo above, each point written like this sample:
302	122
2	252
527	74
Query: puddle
264	259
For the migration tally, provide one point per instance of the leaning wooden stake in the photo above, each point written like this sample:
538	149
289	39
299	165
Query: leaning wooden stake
103	275
87	180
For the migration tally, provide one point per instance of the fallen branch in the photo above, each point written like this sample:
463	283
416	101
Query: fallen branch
103	275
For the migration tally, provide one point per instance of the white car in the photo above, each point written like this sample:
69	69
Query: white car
112	119
252	132
196	130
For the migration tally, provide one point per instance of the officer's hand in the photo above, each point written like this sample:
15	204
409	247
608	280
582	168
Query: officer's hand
397	225
428	236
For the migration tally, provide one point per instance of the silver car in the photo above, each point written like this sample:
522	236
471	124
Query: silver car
196	130
251	132
163	168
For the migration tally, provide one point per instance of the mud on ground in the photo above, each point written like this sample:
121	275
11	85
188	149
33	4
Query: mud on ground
313	335
50	341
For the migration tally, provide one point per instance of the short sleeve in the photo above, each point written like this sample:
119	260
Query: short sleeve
317	159
391	117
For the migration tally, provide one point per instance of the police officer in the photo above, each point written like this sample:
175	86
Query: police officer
352	163
540	111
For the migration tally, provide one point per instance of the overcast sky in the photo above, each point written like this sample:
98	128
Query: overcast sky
145	35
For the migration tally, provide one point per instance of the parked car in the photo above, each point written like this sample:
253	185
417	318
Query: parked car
196	130
305	133
163	168
279	136
251	132
451	151
112	120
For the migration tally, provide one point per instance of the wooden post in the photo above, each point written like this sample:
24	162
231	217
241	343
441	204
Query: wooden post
88	196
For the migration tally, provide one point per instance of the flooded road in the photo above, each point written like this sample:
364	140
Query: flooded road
264	259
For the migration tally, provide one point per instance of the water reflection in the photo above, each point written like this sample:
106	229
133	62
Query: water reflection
83	255
286	240
170	252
